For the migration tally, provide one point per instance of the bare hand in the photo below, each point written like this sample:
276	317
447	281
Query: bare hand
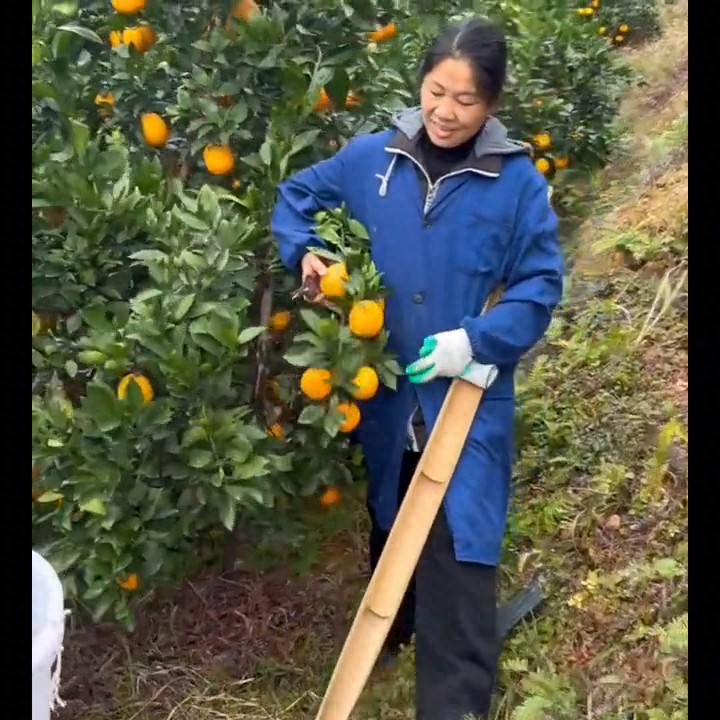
313	268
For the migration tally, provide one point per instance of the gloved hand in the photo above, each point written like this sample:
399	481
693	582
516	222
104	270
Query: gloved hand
446	354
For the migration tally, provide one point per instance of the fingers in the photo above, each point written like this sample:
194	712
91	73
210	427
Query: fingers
420	366
318	265
423	377
428	346
313	265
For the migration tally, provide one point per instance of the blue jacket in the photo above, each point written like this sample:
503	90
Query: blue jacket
442	250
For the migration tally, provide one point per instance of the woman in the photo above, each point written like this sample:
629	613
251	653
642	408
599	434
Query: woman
454	210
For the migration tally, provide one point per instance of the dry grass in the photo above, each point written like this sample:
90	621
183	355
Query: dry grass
645	191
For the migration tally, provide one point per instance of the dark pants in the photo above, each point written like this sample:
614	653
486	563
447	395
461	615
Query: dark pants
451	608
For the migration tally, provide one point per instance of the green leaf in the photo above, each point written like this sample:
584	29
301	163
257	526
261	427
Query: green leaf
183	307
228	511
224	329
311	415
101	607
358	229
149	256
50	496
97	319
193	435
104	407
250	333
200	458
71	368
332	423
387	378
83	32
393	366
95	506
303	140
312	320
266	152
302	357
80	137
254	467
145	295
43	90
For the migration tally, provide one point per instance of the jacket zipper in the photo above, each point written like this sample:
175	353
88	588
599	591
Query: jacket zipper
433	188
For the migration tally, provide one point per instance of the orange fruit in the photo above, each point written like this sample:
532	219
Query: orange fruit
595	4
366	319
116	38
602	30
561	163
366	383
332	284
280	320
276	430
324	103
352	100
246	10
619	39
315	383
624	29
218	159
128	7
330	497
104	99
141	37
543	166
155	130
148	35
130	583
543	141
142	382
352	416
538	102
384	34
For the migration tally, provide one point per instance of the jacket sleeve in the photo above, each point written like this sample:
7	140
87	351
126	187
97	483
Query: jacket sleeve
533	274
319	187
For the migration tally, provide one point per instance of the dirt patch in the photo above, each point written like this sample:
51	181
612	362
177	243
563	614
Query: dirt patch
227	627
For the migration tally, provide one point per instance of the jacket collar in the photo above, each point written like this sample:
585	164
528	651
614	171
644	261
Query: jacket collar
491	145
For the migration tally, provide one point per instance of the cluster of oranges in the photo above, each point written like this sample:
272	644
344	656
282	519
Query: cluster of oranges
381	35
218	159
547	165
365	320
618	37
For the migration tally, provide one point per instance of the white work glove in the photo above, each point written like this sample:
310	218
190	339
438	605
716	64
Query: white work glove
446	354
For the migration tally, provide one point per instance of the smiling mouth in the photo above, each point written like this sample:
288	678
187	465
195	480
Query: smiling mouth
442	130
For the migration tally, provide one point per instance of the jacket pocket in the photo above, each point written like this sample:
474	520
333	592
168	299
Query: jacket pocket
481	246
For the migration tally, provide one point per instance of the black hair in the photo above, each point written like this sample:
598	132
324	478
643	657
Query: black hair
479	42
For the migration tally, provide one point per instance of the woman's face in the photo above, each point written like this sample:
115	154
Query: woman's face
452	110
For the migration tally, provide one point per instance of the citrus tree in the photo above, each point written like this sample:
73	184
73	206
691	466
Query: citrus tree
160	396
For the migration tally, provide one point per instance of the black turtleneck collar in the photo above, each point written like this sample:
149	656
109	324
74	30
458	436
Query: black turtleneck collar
439	161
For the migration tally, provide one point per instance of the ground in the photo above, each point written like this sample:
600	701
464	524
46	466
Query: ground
600	512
